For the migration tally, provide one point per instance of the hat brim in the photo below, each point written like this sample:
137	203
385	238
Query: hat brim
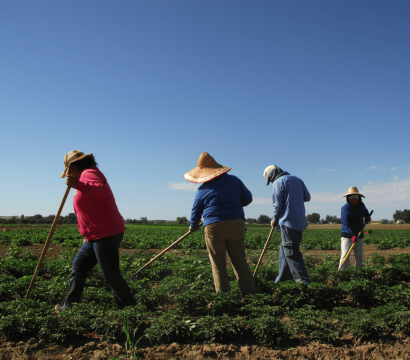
198	175
64	174
353	194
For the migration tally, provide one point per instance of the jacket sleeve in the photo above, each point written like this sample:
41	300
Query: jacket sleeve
197	210
93	186
306	193
278	202
345	222
246	195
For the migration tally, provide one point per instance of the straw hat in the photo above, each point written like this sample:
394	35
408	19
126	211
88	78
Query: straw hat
353	190
206	170
71	157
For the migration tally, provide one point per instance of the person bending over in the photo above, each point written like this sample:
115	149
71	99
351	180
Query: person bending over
220	199
102	226
289	196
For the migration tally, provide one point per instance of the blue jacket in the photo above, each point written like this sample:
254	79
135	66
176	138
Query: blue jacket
352	219
220	199
289	196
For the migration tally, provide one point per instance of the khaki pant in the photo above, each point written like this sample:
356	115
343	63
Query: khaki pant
229	236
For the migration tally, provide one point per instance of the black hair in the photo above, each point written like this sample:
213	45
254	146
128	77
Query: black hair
85	163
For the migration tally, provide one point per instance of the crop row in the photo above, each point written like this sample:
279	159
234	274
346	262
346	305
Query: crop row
176	301
159	237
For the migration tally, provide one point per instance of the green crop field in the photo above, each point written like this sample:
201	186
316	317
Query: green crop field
158	237
176	300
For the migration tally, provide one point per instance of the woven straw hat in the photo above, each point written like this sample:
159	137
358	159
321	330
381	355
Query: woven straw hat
71	157
206	170
353	190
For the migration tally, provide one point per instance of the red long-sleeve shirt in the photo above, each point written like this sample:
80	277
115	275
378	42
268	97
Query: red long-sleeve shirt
95	206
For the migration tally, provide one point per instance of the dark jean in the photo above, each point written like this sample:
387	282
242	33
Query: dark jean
291	263
104	252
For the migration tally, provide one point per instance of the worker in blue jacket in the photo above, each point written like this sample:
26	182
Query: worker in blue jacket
353	214
289	196
220	200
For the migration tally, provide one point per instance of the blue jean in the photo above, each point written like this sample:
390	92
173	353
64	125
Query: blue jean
291	263
104	252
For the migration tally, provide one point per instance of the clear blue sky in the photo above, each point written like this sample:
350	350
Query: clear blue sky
319	88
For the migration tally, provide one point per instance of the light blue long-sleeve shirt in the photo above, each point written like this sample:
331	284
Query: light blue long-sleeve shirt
289	196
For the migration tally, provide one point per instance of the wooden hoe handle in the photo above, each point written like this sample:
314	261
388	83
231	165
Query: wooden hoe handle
263	252
168	248
47	243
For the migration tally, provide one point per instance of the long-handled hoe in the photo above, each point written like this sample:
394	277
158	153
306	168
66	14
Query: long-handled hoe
165	250
352	246
46	245
263	251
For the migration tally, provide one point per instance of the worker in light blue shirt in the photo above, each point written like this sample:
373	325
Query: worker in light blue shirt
289	196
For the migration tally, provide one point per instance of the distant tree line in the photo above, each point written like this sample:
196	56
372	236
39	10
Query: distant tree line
262	219
333	219
144	220
402	215
314	218
71	218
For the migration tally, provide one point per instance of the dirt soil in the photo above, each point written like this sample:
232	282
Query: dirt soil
94	350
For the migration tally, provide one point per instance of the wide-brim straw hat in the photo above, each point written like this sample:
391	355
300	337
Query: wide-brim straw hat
71	157
206	170
353	190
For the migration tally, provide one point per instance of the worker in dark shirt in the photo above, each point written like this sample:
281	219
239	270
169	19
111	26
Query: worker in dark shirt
220	200
353	213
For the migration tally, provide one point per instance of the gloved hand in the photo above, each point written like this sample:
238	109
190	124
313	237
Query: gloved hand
191	229
272	223
72	181
354	238
368	219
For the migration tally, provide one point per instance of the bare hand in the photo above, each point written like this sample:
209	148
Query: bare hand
72	181
272	223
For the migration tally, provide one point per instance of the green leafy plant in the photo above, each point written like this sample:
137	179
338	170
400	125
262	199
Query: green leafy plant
363	325
168	327
377	259
223	328
270	330
132	338
315	324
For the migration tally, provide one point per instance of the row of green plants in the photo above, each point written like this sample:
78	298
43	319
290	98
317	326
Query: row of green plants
154	237
176	301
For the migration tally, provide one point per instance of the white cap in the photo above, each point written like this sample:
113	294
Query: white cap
268	170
